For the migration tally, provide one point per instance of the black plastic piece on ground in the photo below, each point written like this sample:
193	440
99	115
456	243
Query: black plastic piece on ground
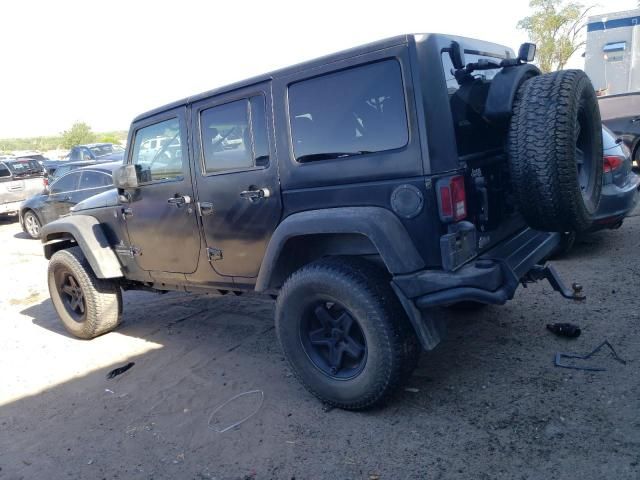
120	370
564	329
559	356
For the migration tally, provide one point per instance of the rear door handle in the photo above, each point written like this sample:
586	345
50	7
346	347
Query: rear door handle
635	120
255	194
179	200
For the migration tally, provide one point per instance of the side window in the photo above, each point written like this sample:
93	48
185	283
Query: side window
75	156
164	162
226	138
4	171
351	112
91	179
67	183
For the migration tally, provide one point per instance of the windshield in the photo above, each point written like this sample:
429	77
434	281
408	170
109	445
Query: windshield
104	150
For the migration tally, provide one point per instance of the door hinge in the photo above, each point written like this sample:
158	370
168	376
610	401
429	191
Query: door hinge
204	208
128	251
214	254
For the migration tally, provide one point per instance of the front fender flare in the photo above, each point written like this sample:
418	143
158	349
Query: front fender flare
385	231
90	237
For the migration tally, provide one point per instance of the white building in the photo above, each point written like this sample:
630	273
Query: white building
612	57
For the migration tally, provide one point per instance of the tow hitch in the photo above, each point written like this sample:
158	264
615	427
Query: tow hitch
547	272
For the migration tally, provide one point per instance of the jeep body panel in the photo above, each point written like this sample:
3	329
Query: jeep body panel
87	232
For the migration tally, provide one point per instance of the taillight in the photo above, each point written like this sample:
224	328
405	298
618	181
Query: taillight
452	199
612	162
45	181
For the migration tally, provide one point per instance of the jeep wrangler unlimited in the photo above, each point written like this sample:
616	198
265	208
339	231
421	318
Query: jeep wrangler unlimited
362	189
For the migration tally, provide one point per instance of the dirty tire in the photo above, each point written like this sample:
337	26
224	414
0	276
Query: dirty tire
31	224
555	117
101	299
362	290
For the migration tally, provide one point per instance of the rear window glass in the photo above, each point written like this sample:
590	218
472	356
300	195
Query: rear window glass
352	112
473	133
609	139
25	167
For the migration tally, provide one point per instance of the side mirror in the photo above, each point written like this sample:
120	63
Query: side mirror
125	177
456	53
527	52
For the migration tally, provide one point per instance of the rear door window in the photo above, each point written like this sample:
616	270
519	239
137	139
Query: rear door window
68	183
92	179
352	112
4	172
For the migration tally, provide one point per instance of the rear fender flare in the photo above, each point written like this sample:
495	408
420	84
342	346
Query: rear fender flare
380	226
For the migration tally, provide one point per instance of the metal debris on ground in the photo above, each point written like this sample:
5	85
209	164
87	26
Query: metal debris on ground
120	370
238	423
559	356
564	329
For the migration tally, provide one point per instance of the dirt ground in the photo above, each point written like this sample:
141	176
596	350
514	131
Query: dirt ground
487	403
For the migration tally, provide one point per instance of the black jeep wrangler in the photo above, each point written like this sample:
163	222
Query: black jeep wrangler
361	189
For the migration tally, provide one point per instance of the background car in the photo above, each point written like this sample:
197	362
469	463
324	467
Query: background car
621	113
96	151
619	188
65	192
19	179
62	168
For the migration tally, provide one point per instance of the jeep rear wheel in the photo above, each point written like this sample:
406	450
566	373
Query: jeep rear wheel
88	306
344	332
555	151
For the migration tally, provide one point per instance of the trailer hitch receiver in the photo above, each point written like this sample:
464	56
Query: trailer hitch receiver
547	272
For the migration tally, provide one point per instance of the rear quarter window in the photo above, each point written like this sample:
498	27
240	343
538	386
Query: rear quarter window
351	112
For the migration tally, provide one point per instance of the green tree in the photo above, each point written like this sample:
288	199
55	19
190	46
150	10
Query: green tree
79	133
556	27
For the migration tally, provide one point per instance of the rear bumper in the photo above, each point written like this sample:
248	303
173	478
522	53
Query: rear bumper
10	207
616	202
491	278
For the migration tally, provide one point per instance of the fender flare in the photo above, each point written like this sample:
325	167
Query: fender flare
90	237
503	88
385	231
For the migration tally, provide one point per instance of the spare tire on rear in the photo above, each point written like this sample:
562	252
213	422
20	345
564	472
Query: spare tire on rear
555	151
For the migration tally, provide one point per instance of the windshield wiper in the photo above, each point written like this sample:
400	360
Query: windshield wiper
312	157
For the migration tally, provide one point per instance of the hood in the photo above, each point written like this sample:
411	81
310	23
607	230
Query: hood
101	200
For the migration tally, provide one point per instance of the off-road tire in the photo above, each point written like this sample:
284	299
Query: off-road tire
364	290
32	231
102	298
552	115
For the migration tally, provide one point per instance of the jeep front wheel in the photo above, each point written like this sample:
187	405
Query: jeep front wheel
88	306
344	332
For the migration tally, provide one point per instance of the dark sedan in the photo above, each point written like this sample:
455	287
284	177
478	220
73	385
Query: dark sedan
619	188
65	192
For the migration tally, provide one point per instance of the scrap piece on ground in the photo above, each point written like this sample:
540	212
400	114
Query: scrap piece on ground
120	370
559	356
564	329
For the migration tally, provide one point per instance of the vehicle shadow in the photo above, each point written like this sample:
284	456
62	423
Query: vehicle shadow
23	235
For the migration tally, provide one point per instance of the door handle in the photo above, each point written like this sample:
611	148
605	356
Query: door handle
254	193
179	200
127	212
635	120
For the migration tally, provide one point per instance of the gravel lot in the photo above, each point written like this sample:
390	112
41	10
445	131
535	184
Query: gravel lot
487	403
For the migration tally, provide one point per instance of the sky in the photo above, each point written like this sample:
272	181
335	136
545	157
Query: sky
104	62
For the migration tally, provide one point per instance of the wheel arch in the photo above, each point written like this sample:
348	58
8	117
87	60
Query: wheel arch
303	237
86	232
